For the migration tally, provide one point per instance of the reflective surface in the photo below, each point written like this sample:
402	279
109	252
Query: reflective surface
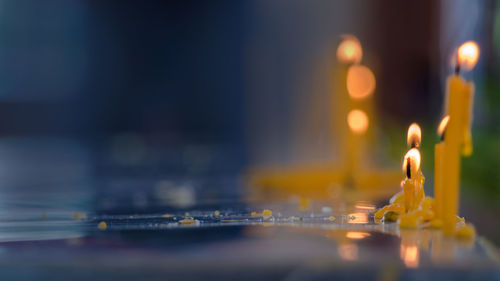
98	222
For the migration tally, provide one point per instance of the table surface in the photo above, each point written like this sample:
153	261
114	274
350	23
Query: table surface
50	212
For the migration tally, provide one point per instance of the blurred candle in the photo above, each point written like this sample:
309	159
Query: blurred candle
459	97
359	82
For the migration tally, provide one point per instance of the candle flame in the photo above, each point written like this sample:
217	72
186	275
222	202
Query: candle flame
414	135
349	50
442	126
356	235
357	121
413	155
468	54
360	82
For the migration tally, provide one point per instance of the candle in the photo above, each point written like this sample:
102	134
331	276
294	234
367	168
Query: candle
438	168
411	166
458	102
349	52
359	82
413	140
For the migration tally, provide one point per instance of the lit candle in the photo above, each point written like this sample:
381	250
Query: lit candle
360	84
349	52
458	106
411	167
413	140
438	168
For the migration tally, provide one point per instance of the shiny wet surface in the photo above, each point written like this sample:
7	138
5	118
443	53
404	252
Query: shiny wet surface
175	227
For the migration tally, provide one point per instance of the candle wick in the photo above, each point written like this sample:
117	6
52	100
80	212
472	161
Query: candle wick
442	135
408	168
413	144
457	66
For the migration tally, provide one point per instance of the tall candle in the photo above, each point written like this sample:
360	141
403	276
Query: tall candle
438	168
349	52
459	95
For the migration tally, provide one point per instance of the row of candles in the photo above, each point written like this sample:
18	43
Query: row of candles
454	131
455	140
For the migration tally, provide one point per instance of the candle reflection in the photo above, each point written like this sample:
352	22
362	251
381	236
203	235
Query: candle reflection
357	235
348	251
410	255
358	218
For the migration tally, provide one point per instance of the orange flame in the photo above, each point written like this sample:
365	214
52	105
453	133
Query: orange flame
349	50
468	54
414	135
360	82
413	155
442	126
357	121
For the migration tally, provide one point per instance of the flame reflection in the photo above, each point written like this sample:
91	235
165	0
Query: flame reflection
358	218
410	255
348	251
356	235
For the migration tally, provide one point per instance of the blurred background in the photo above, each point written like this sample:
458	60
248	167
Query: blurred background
112	101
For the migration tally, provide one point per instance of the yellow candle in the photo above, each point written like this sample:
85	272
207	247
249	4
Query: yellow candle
349	52
359	82
411	166
438	185
438	168
459	95
413	140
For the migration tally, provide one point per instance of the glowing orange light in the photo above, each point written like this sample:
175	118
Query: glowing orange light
442	126
360	82
413	155
349	50
357	121
414	135
410	255
348	251
358	218
468	54
357	235
364	206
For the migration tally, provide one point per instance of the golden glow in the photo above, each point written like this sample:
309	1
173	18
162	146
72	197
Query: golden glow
443	125
410	255
414	157
357	121
349	50
358	218
360	82
357	235
468	54
364	206
348	251
414	135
